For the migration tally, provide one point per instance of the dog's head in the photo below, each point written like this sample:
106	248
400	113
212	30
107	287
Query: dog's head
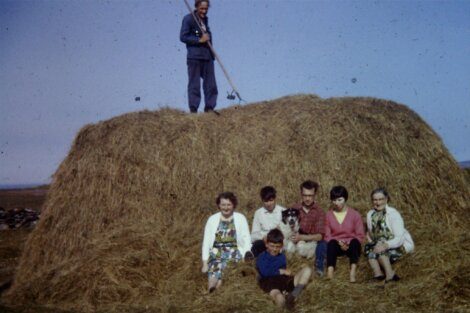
290	217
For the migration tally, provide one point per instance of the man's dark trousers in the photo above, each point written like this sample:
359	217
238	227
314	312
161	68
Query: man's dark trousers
204	69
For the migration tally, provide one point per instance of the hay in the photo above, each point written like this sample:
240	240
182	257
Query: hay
122	227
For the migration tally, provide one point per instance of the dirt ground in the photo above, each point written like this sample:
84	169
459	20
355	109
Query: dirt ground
23	198
12	241
467	174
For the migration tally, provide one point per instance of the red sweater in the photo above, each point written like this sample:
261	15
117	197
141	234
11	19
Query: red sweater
352	227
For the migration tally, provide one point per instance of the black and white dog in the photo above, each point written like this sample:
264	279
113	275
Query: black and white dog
289	227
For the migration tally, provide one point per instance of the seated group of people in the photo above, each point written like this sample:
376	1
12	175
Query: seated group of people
307	230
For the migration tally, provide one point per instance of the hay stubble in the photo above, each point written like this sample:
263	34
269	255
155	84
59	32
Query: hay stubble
122	227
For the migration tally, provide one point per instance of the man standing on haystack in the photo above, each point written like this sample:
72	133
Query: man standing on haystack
200	59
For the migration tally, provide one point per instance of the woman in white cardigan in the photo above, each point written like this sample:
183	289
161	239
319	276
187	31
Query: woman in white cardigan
226	239
387	236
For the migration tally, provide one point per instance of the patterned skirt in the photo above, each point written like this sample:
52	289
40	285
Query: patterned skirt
224	250
220	257
393	254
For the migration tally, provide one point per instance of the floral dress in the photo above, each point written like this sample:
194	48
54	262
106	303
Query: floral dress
224	250
380	232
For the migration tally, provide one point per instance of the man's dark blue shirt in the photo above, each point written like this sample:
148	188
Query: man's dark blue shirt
190	34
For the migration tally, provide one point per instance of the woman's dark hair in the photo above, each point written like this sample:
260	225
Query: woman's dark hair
338	192
309	185
275	236
381	190
267	193
229	196
198	2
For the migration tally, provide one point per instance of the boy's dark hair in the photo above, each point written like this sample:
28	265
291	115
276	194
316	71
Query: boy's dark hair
229	196
275	236
338	192
267	193
309	185
198	2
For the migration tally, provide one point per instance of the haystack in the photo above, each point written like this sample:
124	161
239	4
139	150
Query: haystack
122	227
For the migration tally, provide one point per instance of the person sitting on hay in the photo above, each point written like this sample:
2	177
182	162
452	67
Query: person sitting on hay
344	232
310	238
226	239
274	277
266	218
387	237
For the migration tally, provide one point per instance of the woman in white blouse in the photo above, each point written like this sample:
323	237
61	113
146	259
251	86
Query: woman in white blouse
226	239
387	236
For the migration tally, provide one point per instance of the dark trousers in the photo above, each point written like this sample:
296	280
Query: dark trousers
320	254
334	250
197	70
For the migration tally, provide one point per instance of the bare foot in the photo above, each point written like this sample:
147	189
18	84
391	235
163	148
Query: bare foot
352	277
331	272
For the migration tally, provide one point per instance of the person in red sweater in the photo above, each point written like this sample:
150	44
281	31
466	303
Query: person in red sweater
344	232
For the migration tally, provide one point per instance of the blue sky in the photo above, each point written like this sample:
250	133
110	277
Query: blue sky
64	64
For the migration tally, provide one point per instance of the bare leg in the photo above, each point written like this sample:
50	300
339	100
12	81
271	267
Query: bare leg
300	281
375	267
303	276
331	272
213	284
278	297
352	273
385	262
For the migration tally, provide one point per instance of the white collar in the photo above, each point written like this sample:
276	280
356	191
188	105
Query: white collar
269	212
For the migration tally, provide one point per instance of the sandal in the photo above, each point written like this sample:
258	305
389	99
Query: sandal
394	278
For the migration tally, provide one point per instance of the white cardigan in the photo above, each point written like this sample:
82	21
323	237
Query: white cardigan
394	221
241	227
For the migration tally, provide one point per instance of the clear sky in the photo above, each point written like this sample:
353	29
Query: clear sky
67	63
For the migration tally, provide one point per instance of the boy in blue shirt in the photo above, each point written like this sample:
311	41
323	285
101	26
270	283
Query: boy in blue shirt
275	278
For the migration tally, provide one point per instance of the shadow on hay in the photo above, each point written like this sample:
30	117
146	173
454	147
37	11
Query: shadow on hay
122	226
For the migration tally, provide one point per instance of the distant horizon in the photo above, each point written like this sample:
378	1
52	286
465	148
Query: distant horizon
464	164
21	186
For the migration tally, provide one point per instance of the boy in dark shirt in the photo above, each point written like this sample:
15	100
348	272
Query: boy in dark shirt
275	278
